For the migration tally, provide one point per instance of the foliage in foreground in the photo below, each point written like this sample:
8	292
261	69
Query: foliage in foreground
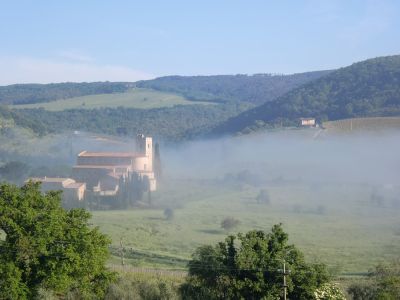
329	291
247	266
47	247
383	283
145	286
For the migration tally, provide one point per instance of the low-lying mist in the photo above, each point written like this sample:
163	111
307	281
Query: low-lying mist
338	196
290	155
372	158
53	155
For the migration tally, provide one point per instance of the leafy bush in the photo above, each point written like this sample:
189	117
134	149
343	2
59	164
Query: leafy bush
384	283
144	287
329	291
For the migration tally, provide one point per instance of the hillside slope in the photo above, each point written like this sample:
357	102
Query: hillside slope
367	88
36	93
133	98
256	89
175	123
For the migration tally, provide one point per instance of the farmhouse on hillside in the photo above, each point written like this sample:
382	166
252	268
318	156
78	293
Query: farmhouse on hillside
307	121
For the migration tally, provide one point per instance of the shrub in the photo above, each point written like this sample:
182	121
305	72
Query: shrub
169	213
144	286
263	197
229	223
329	291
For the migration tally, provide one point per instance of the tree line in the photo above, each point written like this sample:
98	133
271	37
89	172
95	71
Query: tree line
169	124
255	89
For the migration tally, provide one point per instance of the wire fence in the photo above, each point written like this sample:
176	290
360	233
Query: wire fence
142	270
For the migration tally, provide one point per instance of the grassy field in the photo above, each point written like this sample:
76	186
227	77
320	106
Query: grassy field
363	124
330	223
135	98
142	284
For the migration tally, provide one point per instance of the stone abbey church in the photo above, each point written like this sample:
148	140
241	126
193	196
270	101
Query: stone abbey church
112	175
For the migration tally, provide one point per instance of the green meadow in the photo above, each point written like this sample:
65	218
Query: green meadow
134	98
333	224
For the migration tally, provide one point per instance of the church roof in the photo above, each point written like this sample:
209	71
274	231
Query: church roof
109	154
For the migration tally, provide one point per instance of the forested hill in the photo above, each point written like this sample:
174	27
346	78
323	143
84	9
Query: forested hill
256	89
367	88
170	124
36	93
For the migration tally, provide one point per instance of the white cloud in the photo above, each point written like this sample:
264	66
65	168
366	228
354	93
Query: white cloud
35	70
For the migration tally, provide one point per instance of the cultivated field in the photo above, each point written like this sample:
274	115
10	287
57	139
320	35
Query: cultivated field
135	98
363	124
335	224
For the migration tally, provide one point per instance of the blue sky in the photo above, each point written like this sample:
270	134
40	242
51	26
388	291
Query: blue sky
52	41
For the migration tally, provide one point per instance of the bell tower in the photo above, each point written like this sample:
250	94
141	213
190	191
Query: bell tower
144	145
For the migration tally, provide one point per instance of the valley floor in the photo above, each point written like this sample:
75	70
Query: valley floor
331	223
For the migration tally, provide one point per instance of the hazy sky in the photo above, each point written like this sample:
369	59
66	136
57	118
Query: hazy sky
91	40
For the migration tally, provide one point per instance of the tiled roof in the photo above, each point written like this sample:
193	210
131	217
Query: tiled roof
111	167
50	179
109	154
75	185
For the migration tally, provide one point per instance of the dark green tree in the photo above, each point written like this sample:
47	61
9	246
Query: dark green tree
47	247
169	213
157	162
14	171
263	197
229	223
246	266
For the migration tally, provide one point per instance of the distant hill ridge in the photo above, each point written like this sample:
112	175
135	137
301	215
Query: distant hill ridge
255	89
364	89
37	93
